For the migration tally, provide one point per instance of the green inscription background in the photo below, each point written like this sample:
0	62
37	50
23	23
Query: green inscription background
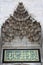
21	55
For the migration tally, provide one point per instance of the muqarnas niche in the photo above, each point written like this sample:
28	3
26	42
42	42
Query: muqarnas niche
21	24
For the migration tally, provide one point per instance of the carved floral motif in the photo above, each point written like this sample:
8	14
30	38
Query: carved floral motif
20	24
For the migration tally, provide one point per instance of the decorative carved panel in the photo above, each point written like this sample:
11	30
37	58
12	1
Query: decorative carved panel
20	24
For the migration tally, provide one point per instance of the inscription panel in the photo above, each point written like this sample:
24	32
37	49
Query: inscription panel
21	55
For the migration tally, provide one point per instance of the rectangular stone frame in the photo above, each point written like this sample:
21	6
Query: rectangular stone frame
21	61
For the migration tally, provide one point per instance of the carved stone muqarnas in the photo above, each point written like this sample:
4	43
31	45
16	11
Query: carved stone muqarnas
20	24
